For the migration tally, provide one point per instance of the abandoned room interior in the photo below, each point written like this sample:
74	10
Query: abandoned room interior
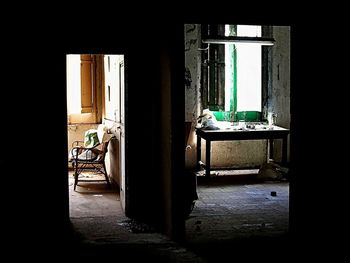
223	127
184	101
229	181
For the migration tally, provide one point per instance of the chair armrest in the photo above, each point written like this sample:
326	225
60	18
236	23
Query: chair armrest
89	153
75	151
77	143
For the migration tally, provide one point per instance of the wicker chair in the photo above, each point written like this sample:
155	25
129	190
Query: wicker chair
89	159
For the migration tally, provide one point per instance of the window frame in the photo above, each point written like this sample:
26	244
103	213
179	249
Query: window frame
90	97
211	91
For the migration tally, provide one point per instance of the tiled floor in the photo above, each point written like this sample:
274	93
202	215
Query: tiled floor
236	218
228	216
226	210
104	232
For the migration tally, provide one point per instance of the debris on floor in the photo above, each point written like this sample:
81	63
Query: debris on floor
137	227
272	171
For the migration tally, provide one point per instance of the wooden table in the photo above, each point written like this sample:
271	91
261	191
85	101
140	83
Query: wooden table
234	134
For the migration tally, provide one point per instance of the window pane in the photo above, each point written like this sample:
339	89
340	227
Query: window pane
248	78
248	71
248	31
73	84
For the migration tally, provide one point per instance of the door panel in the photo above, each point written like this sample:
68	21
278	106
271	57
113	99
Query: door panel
122	133
112	89
115	113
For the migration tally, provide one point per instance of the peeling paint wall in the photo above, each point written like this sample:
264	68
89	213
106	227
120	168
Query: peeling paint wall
279	98
192	71
192	85
238	154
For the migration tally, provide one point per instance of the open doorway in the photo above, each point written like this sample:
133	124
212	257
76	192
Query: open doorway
237	81
95	106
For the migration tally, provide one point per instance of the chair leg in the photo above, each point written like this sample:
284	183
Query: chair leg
75	181
76	175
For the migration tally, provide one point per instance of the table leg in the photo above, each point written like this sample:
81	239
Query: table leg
284	150
271	149
199	149
207	158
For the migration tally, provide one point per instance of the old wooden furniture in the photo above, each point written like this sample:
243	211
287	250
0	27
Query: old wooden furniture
89	155
269	133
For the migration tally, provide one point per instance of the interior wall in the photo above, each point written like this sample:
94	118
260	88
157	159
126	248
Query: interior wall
165	137
112	113
192	90
155	114
143	150
112	87
112	158
279	94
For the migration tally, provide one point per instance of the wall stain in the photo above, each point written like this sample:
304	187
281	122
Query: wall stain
188	79
190	43
191	29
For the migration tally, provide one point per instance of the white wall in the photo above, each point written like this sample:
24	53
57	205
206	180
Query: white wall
112	112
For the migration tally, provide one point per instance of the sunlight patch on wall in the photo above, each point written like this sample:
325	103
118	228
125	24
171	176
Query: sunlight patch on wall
73	84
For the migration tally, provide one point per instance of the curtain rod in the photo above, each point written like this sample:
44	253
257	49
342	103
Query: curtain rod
238	39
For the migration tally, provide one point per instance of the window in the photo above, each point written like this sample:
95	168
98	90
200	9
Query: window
234	74
81	89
